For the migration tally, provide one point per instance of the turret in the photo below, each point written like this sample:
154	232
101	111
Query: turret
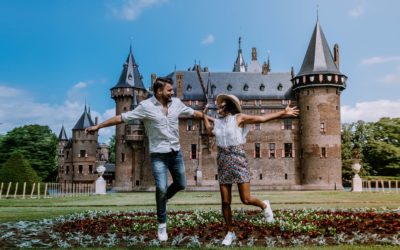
239	65
318	86
127	93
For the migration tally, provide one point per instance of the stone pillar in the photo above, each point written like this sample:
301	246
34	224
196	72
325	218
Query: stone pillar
357	182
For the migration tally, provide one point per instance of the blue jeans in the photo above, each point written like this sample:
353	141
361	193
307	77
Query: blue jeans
161	162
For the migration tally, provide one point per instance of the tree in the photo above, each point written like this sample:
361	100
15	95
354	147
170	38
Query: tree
36	143
18	169
111	159
382	152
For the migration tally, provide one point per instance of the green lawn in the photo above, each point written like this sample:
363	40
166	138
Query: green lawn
32	209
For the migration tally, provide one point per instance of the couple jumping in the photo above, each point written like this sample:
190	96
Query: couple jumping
160	115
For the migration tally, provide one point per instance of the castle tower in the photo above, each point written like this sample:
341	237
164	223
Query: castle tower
129	89
62	142
84	150
239	65
318	86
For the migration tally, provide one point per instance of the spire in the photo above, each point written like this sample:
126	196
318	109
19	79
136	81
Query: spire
209	91
318	58
130	75
84	121
240	65
63	135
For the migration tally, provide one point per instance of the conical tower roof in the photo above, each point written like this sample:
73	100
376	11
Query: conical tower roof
318	58
63	135
130	75
84	121
240	65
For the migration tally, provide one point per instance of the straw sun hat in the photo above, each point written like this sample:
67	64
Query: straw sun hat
232	98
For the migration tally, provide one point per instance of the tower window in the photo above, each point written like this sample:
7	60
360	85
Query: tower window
193	151
189	125
288	151
216	177
67	170
137	183
285	176
308	107
82	153
80	169
90	169
260	176
122	157
322	127
272	150
323	152
257	150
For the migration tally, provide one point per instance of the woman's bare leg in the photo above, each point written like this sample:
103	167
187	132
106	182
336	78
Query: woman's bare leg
226	199
246	198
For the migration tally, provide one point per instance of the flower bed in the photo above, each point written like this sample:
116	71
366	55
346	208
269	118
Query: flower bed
206	228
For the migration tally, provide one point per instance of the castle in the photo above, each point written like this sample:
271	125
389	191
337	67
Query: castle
301	153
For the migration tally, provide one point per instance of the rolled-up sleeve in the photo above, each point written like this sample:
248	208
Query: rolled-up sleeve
137	114
184	110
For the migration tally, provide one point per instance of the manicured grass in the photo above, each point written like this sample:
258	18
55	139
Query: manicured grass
32	209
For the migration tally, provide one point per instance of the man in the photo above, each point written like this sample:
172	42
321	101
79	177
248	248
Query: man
160	115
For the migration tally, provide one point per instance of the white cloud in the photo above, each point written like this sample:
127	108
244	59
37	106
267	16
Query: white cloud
371	111
17	108
81	85
357	11
131	9
391	79
380	60
208	40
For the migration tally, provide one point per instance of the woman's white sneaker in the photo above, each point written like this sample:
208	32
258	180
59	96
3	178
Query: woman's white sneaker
268	215
230	236
162	232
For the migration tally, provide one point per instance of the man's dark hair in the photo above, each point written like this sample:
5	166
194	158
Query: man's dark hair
160	83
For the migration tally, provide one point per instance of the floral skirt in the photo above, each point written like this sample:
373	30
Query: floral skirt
232	165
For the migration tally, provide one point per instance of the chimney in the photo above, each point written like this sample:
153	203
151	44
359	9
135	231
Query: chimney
336	54
254	54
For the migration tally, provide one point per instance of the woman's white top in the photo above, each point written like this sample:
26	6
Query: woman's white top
228	133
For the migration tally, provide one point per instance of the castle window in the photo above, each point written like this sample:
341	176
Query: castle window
308	107
337	107
122	157
124	108
329	77
287	124
189	88
229	88
262	87
285	176
82	153
216	177
246	87
260	176
80	169
288	151
189	125
67	154
67	170
257	150
280	87
323	152
90	169
258	126
272	150
322	127
193	151
302	153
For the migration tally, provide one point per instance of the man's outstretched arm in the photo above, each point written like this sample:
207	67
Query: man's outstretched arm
107	123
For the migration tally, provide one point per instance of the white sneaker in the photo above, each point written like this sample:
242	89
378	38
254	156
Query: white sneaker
162	232
269	216
230	236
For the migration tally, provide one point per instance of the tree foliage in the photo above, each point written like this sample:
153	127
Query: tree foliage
111	158
36	143
378	144
18	170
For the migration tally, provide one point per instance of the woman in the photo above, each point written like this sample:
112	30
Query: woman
230	131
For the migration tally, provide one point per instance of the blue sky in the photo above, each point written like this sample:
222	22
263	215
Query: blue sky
54	55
